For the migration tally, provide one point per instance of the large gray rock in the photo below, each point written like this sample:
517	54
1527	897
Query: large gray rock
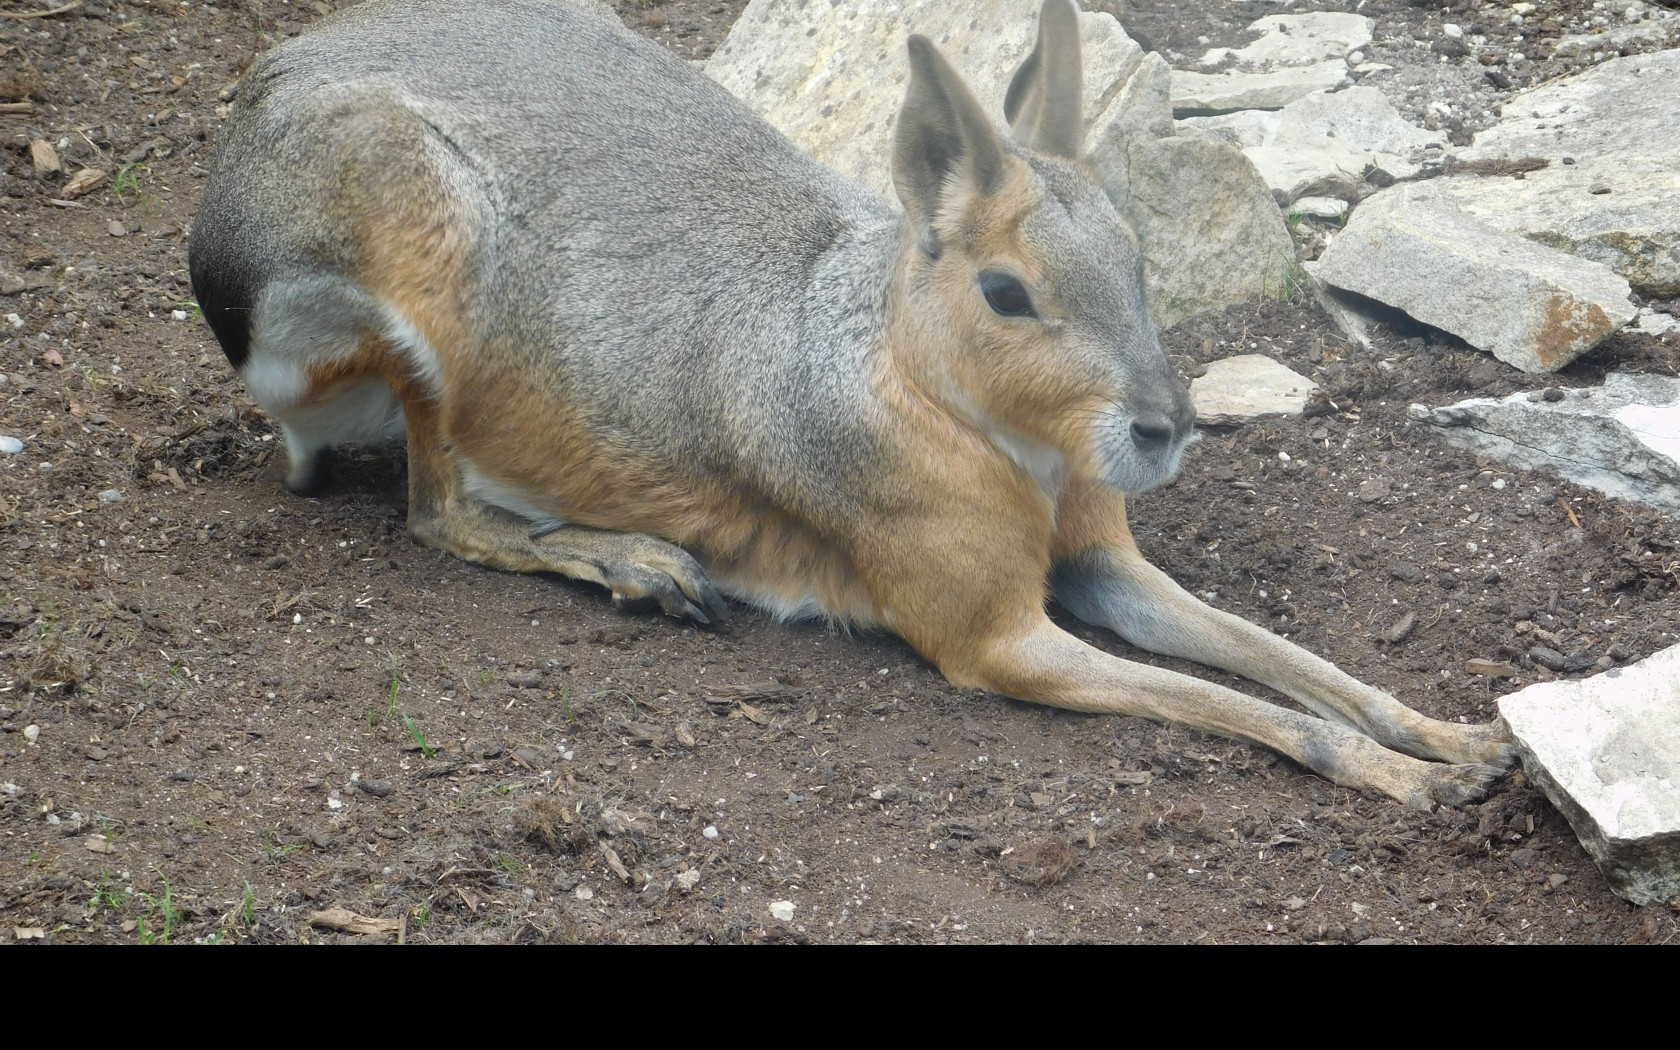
1324	136
1413	248
1622	439
1617	200
831	77
1246	388
1210	231
1606	751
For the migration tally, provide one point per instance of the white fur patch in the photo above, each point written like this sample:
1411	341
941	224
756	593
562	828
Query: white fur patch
1043	462
783	607
365	413
275	382
414	346
481	486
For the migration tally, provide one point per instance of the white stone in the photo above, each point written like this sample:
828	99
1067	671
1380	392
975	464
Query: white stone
31	733
1413	248
832	77
1194	93
110	496
1296	40
782	911
1321	137
9	445
1246	388
1454	31
1616	124
1321	207
1606	751
1652	323
1622	439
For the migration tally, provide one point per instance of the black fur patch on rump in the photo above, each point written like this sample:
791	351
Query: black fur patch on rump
227	296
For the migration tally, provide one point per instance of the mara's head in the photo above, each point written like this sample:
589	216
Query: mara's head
1021	288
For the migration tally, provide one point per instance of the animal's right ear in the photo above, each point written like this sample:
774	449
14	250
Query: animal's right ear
943	140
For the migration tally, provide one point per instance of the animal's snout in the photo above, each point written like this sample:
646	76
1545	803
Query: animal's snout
1152	432
1159	428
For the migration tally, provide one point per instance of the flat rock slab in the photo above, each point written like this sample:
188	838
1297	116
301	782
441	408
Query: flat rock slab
1194	93
1415	248
1324	136
1606	751
1296	40
1622	439
1248	387
1610	190
1660	29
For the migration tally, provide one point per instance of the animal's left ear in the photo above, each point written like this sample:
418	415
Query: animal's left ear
1045	102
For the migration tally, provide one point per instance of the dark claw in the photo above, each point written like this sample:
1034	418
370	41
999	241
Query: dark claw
715	603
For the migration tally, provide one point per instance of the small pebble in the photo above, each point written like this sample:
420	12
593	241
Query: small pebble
116	229
711	831
32	733
179	315
782	911
1456	32
1550	659
110	496
9	445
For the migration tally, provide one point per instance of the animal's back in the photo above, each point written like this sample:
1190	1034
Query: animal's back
631	239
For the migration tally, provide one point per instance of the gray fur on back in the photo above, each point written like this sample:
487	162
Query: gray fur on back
639	223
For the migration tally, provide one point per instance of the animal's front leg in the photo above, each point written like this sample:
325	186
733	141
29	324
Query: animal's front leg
1105	581
1045	664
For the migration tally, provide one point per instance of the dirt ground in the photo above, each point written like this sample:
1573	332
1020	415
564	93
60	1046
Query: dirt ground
225	708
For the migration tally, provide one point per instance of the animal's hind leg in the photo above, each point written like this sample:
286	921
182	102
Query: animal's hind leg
639	570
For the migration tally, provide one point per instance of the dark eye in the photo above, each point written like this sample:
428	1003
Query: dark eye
1005	295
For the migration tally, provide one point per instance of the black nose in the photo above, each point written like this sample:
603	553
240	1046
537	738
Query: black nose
1152	432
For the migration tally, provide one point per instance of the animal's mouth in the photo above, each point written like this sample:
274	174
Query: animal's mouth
1143	451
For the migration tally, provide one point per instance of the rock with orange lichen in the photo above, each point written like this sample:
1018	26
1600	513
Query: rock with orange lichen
1415	248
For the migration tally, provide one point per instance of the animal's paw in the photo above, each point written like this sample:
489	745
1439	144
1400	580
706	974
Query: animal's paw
1456	785
669	578
1495	747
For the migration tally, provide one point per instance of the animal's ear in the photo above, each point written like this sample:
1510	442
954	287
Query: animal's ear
943	139
1045	102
